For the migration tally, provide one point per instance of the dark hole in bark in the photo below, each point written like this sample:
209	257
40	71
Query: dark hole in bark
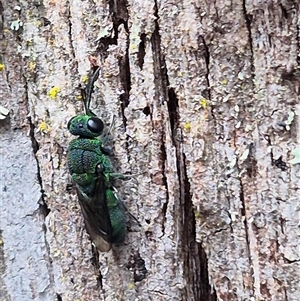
142	51
146	111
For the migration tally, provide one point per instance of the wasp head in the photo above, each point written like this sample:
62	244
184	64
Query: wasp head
85	126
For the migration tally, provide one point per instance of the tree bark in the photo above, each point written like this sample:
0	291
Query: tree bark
206	99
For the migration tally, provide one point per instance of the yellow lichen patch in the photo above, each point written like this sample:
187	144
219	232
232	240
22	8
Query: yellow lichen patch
179	74
51	41
131	286
224	82
85	79
57	253
187	126
79	97
2	67
203	103
29	43
53	92
133	47
44	127
32	65
197	215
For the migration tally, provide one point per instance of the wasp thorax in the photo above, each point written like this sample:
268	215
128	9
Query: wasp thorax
85	126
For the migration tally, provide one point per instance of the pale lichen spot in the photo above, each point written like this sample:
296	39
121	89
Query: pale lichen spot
245	155
226	98
3	112
248	128
56	253
296	154
16	25
241	75
289	120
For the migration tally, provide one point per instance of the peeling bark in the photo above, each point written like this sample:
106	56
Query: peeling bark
206	99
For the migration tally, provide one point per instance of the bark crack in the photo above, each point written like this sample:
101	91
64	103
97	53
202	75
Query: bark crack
243	213
119	12
196	274
207	61
70	33
196	260
165	182
96	265
251	171
248	20
43	207
137	264
142	51
161	83
59	298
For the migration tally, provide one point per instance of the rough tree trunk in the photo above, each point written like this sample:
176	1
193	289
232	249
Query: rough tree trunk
207	106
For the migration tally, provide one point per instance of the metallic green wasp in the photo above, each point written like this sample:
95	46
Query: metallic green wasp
92	173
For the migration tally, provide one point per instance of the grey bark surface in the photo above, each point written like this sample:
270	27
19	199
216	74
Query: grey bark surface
206	99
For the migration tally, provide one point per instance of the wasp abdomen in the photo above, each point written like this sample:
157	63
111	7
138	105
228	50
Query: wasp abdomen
117	217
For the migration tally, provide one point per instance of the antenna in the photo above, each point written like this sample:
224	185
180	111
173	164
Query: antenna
86	93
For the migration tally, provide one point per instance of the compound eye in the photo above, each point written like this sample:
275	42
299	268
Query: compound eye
70	121
99	169
95	125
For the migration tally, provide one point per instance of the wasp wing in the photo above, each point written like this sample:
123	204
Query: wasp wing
96	215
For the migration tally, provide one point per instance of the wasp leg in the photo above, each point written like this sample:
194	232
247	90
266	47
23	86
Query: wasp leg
123	176
106	150
106	136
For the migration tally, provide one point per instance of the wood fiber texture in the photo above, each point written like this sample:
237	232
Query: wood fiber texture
206	99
